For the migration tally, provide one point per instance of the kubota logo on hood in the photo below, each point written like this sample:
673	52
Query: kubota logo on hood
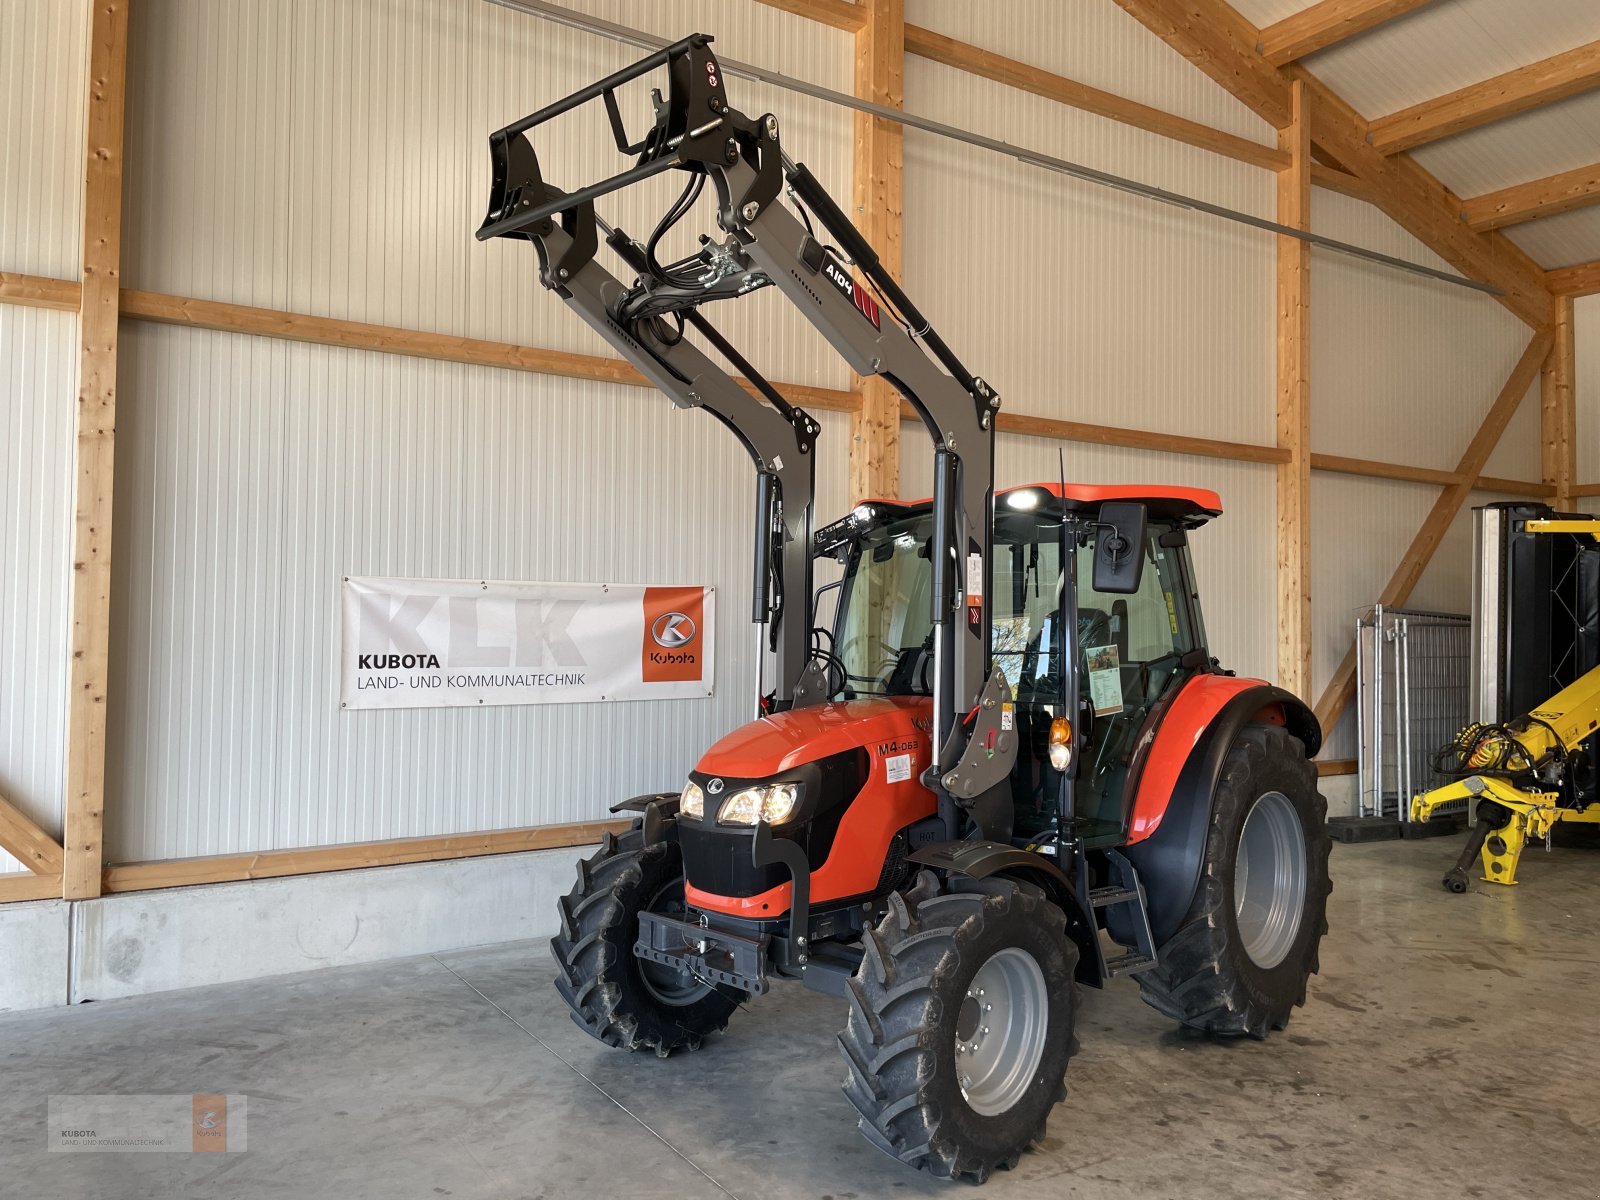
673	629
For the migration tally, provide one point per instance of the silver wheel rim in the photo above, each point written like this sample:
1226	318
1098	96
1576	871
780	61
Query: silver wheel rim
1269	880
671	986
1000	1031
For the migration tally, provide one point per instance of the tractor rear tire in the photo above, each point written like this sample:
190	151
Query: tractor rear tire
941	1081
615	996
1239	962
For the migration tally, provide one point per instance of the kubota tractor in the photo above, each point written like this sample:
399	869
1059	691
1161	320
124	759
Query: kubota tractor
1007	763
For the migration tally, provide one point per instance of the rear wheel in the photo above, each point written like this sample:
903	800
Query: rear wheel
615	996
960	1026
1239	963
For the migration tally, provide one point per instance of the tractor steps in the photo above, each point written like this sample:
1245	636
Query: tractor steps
1106	897
1128	964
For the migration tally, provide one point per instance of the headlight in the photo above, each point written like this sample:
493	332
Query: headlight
773	804
692	803
1061	743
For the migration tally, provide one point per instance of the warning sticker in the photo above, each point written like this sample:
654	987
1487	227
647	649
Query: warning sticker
1008	717
975	579
898	767
1105	679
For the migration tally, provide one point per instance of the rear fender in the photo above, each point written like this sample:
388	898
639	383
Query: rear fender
1169	859
981	860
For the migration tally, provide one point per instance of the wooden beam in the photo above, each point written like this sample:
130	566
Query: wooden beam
1294	403
387	339
1557	408
273	864
1547	197
39	291
1213	36
841	14
1056	429
18	886
879	186
1335	180
1335	766
21	838
1585	489
986	64
1341	688
1494	99
1339	465
1581	279
90	631
1327	24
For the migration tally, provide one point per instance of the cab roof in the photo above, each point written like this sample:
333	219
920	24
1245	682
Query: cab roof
1192	506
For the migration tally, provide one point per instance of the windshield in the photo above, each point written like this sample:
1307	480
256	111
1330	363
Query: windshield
1128	644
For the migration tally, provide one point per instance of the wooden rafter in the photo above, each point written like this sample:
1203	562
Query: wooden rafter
90	630
1341	688
1213	36
1528	87
963	56
16	886
1294	403
841	14
1327	24
21	838
1582	279
879	182
1547	197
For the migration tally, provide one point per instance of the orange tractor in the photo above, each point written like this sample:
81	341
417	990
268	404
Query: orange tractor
1007	764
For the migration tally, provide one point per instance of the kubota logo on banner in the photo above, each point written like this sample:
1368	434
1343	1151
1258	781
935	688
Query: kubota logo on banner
424	643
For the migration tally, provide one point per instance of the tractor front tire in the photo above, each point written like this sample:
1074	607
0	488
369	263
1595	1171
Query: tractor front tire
960	1025
1239	962
615	996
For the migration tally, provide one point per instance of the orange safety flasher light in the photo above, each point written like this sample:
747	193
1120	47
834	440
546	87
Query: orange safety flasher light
1061	743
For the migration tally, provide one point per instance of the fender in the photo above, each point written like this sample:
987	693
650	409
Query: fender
980	860
1169	857
658	812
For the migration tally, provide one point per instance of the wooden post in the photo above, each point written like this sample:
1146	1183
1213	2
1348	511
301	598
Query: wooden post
95	439
1557	407
879	171
1294	403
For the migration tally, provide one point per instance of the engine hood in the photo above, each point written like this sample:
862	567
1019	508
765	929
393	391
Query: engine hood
788	739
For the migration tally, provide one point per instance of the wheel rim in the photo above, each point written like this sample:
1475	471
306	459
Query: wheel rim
1269	880
672	986
1000	1031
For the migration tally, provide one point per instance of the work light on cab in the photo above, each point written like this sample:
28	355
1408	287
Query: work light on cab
773	804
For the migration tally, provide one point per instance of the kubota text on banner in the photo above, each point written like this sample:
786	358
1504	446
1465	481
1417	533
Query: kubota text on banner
438	643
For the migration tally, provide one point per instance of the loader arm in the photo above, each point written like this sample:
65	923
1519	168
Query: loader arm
696	131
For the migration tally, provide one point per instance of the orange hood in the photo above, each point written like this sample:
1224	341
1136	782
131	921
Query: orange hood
801	735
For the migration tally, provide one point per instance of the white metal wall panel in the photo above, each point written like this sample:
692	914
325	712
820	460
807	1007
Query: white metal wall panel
41	155
1403	368
1096	43
331	158
38	381
253	474
1080	302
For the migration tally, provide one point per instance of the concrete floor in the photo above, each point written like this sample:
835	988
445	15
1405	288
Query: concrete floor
459	1075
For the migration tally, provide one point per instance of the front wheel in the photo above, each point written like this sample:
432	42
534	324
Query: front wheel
960	1026
615	996
1239	962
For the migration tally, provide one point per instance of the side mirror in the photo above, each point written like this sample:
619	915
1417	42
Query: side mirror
1119	548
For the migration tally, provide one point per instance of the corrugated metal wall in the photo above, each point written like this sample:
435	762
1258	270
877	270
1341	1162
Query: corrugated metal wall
41	216
331	158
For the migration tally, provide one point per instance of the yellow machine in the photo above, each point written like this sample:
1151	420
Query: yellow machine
1527	775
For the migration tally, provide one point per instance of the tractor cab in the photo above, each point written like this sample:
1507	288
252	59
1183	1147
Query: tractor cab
1099	661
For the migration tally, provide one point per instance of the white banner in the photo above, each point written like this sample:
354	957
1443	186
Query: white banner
444	643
